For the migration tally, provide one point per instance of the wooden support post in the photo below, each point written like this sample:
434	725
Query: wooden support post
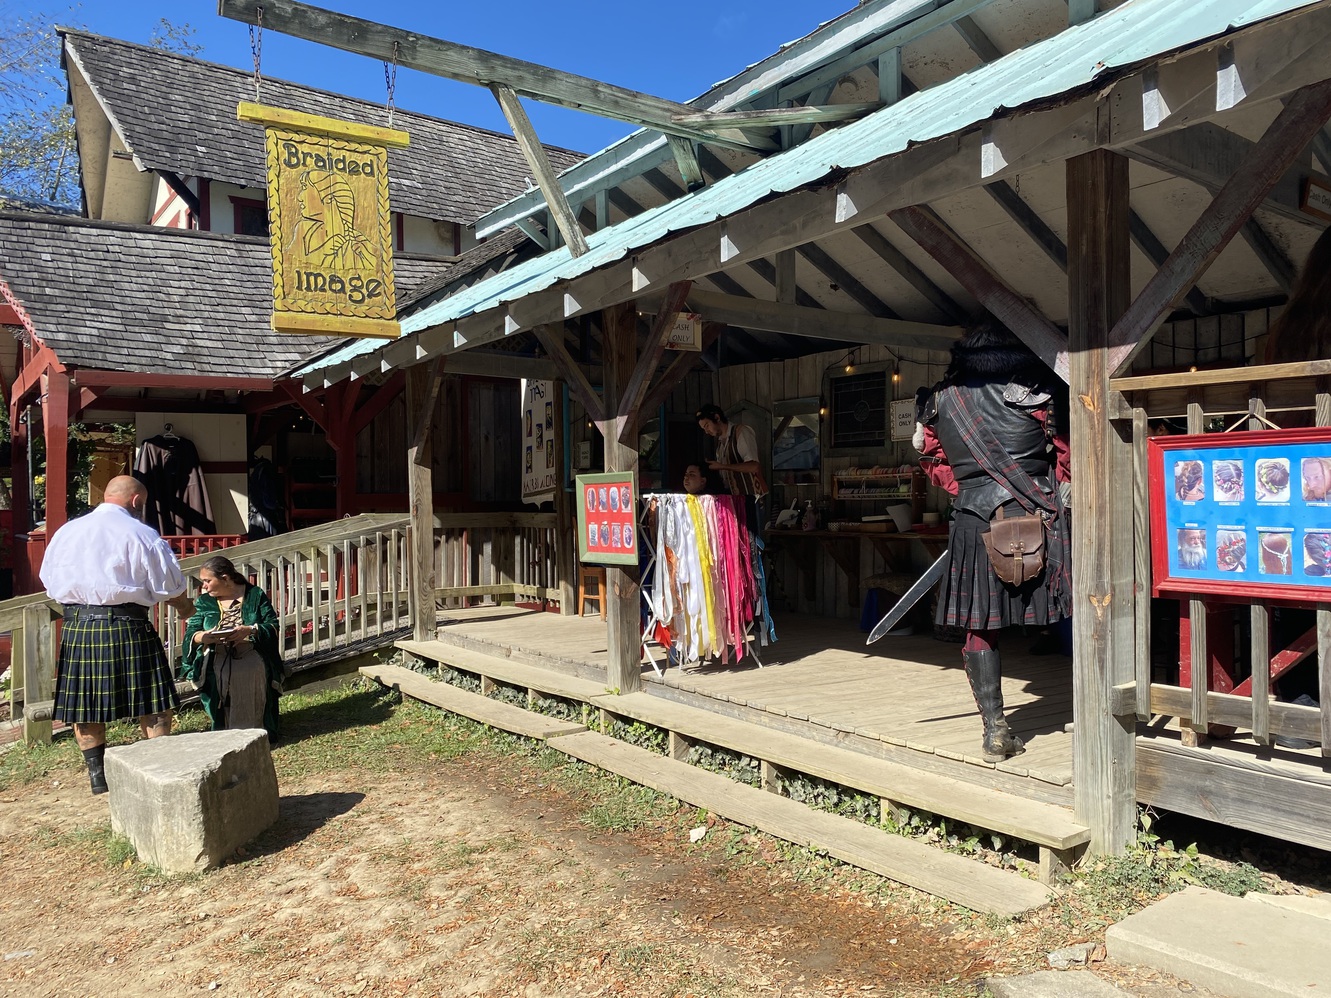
620	345
38	665
55	427
1102	555
422	394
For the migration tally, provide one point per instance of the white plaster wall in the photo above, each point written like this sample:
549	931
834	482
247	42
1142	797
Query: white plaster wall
423	235
218	438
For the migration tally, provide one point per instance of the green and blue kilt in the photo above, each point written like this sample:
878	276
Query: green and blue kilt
111	669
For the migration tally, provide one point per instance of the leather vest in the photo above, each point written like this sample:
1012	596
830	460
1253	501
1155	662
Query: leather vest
1006	410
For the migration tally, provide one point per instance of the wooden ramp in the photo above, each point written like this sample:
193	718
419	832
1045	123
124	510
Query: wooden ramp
1048	826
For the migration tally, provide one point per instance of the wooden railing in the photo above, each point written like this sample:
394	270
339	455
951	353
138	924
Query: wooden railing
496	557
335	586
1285	393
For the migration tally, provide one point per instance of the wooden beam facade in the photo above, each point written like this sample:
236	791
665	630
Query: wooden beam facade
420	493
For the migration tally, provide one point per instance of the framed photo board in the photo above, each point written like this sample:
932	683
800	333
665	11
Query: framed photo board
607	518
1242	514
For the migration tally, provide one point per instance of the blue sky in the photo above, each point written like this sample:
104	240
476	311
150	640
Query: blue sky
658	48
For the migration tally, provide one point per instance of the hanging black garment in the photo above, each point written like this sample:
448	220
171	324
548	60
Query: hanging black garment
177	497
268	513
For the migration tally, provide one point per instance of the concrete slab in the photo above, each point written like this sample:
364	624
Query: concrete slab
187	802
1239	948
1318	905
1054	984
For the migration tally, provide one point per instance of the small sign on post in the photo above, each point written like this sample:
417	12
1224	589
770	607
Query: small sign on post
539	475
686	333
329	223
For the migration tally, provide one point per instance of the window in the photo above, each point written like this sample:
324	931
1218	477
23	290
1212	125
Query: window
859	410
251	216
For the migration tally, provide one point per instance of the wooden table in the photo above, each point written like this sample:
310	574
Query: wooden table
843	547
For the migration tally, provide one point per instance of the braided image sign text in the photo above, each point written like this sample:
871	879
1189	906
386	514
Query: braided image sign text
329	223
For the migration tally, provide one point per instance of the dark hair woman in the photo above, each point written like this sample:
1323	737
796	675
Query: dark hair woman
990	438
231	650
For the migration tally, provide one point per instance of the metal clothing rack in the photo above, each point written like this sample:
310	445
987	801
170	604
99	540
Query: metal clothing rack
751	639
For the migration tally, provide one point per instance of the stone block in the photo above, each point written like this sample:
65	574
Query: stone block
187	802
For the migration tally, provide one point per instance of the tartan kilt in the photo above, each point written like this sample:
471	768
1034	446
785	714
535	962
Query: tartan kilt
111	670
972	597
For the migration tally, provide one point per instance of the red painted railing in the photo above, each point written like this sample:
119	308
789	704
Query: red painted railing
188	545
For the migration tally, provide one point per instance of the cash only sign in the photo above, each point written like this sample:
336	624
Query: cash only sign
329	222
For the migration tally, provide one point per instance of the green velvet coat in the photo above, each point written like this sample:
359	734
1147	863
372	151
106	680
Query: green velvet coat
255	609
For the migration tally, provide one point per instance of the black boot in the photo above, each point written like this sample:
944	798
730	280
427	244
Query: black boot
96	759
985	673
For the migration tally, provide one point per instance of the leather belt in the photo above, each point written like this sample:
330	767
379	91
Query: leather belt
120	611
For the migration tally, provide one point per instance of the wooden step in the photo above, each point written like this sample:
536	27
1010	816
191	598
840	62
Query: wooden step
479	708
505	670
1047	825
956	878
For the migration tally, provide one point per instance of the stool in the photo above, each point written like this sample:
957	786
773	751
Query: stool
593	573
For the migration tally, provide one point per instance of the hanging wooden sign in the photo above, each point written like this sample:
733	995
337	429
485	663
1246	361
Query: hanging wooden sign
329	223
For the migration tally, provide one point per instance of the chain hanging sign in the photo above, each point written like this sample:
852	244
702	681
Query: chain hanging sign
329	222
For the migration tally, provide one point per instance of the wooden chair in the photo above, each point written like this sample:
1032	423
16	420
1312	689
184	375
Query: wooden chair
596	574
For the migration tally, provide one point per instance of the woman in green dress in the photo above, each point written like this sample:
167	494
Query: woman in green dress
231	650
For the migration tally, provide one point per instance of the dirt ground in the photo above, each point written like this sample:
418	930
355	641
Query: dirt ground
451	867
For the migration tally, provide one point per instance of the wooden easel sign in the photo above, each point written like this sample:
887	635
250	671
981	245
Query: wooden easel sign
330	223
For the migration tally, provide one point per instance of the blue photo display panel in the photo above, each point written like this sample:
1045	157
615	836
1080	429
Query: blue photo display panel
1257	514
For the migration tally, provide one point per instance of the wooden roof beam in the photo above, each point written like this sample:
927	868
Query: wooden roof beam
911	274
650	359
1272	256
972	273
678	368
467	64
1303	116
942	16
551	337
534	153
817	323
1155	251
1029	222
1208	155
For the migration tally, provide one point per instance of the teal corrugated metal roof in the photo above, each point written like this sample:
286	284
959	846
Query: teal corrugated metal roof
1132	33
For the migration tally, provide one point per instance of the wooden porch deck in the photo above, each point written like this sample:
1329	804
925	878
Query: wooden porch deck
905	699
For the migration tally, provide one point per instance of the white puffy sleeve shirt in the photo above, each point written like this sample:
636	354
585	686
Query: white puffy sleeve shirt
109	557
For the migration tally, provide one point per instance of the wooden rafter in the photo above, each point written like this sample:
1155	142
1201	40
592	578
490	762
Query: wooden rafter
478	67
1029	222
551	339
1304	115
910	273
379	401
636	389
534	153
679	367
1150	244
1208	155
1272	256
973	274
429	403
823	324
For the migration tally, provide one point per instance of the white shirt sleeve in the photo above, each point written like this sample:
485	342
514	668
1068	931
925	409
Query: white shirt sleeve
746	442
108	557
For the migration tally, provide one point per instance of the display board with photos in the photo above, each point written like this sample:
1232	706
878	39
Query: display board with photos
1242	514
607	518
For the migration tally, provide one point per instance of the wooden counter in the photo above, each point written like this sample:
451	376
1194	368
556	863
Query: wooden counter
843	547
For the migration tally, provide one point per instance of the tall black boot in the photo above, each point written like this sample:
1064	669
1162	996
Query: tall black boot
96	760
985	673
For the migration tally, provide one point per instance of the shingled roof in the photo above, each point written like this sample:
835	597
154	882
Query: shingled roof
147	299
178	114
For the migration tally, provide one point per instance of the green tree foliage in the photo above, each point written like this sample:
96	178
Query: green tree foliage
38	161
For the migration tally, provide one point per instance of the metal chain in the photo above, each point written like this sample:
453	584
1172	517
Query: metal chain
256	48
390	82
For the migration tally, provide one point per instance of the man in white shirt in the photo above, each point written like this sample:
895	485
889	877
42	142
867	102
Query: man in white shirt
107	568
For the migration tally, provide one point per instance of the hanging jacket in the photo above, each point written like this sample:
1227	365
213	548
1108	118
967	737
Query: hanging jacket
177	496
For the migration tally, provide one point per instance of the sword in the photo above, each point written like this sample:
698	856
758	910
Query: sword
913	595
